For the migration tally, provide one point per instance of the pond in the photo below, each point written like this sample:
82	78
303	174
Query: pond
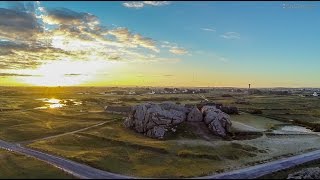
52	103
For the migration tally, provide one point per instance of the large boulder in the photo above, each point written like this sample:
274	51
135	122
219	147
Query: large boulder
195	115
216	120
154	120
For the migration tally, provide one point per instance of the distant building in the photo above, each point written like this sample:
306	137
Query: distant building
315	94
152	92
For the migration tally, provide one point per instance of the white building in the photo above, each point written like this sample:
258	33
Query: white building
152	92
132	92
315	94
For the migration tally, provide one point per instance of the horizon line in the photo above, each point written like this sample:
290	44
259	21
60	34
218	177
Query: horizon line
130	86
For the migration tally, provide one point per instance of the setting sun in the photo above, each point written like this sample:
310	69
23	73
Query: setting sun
159	89
65	73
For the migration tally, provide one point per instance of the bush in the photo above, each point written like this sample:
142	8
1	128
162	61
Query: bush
255	111
226	95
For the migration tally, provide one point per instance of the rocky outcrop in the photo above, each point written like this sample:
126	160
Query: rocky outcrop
155	120
216	120
195	115
225	109
308	173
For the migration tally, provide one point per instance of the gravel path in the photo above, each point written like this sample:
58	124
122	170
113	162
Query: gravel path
67	133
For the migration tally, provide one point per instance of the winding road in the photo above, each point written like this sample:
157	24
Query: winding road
76	169
86	172
267	168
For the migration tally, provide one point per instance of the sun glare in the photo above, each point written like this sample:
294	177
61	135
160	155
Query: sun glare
66	73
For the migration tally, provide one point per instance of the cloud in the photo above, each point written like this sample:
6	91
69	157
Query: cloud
156	3
21	55
14	74
68	17
133	40
145	42
174	48
33	35
18	25
136	5
208	29
180	51
231	35
72	74
141	4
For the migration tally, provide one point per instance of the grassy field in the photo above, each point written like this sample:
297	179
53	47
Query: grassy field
116	149
28	125
256	121
16	166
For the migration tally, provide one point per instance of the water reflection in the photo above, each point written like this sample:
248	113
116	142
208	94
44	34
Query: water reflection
57	103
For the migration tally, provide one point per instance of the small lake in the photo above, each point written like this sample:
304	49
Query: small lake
52	103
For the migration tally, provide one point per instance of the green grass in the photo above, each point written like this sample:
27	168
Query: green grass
114	148
16	166
255	121
117	149
28	125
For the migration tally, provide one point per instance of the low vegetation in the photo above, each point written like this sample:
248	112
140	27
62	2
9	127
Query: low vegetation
113	148
16	166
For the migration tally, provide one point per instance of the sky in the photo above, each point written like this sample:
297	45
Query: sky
160	43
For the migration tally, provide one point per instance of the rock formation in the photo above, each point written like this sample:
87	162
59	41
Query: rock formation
195	115
216	120
155	120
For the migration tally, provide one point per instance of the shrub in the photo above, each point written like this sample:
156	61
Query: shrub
255	111
226	95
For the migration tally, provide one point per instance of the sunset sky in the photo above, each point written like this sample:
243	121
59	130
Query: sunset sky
160	43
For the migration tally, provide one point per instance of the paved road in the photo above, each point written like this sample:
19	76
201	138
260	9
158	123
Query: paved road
87	172
71	167
267	168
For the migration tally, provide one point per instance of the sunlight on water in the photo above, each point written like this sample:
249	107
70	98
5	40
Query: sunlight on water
56	105
53	103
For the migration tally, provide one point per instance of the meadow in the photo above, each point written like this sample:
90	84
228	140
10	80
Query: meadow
112	147
18	166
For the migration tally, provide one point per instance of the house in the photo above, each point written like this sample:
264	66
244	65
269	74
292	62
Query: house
132	92
152	92
315	94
